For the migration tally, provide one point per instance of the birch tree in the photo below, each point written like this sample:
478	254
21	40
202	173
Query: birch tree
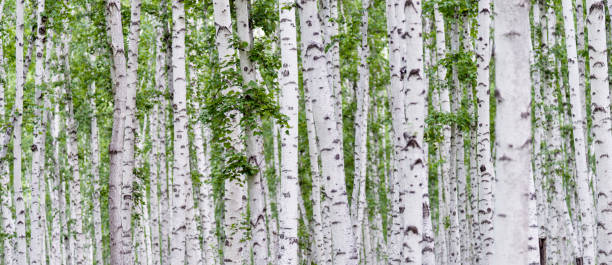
602	138
510	220
116	144
20	220
180	170
288	79
328	133
579	128
37	205
235	195
484	158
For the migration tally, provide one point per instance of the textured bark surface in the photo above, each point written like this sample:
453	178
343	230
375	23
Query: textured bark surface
37	202
578	120
601	127
181	181
116	145
129	138
20	220
510	232
359	203
288	98
484	158
235	249
328	133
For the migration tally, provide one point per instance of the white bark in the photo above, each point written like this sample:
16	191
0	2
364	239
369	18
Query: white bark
484	158
359	205
206	200
235	250
602	137
129	134
585	197
37	203
329	24
328	133
513	129
20	220
181	181
6	200
116	143
95	171
288	99
56	252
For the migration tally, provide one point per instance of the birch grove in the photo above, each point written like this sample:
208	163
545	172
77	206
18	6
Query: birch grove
305	132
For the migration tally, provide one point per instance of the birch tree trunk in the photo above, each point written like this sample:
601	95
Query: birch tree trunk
361	131
6	199
95	170
180	171
288	99
37	205
155	152
328	133
254	150
129	134
510	229
116	143
76	211
56	251
602	137
414	179
484	159
206	200
20	224
235	250
585	197
329	23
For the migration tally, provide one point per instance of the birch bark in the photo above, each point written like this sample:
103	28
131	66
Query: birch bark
361	131
37	204
585	197
484	159
129	134
20	220
288	99
181	184
116	144
95	170
6	199
328	133
510	230
235	250
602	137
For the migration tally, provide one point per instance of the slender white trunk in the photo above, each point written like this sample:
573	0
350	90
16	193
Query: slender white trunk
602	138
413	171
76	211
116	143
20	224
329	24
154	128
288	99
95	170
513	129
585	197
361	131
205	196
37	204
484	158
6	200
328	133
235	250
321	252
129	134
181	184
